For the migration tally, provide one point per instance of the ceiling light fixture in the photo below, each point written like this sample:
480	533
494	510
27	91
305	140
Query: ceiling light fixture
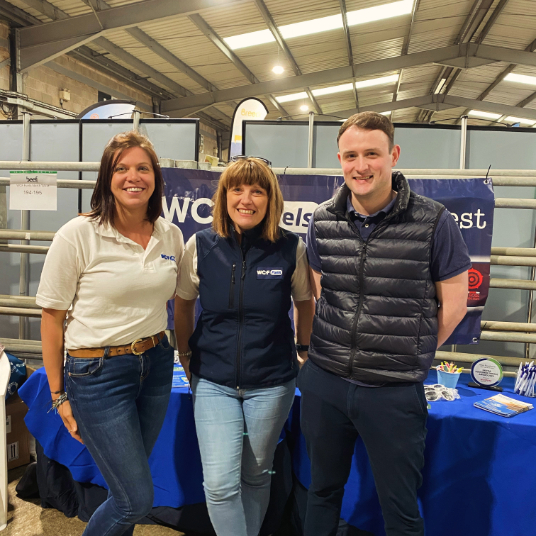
338	89
304	108
440	86
484	115
521	78
333	22
278	69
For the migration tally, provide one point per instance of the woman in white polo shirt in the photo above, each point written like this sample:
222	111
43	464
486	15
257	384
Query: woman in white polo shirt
104	287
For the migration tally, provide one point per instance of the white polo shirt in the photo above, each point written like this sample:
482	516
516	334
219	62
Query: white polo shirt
118	290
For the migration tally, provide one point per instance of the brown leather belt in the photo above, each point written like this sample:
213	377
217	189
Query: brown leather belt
138	347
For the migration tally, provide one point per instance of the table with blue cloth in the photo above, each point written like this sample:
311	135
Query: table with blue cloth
477	480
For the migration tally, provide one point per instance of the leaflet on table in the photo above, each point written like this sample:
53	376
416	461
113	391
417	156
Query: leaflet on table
179	377
503	406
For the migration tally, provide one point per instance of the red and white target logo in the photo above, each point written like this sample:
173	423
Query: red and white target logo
475	279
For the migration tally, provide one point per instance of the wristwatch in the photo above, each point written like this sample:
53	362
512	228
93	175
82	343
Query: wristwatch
302	347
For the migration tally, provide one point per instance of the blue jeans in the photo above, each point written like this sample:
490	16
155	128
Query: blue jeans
238	431
119	405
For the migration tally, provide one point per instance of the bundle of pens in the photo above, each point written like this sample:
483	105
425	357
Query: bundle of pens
449	367
526	377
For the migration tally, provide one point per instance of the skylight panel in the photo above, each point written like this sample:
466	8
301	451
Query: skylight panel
250	39
292	97
521	78
324	24
520	120
333	89
484	115
338	89
311	26
377	81
385	11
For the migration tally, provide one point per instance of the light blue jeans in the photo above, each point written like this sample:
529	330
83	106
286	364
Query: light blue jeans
238	432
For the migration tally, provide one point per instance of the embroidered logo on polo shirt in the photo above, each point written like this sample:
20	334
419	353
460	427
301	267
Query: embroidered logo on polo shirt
168	257
269	273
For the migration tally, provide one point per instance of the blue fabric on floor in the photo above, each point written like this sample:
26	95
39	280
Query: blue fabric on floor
479	475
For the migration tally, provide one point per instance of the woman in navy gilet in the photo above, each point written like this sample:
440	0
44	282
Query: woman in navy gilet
241	358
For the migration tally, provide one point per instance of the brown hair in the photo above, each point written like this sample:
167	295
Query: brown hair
248	171
370	121
102	200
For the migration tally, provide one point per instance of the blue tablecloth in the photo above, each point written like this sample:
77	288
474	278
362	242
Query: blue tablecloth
479	476
175	462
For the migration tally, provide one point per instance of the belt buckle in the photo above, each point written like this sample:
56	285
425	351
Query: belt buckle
132	349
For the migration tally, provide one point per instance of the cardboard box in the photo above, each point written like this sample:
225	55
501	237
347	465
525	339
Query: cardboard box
17	435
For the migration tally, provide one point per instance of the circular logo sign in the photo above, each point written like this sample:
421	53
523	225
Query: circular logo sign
487	372
475	279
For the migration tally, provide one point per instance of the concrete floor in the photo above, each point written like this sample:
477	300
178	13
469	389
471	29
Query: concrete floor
27	518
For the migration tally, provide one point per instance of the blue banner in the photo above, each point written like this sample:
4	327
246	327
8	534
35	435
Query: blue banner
188	204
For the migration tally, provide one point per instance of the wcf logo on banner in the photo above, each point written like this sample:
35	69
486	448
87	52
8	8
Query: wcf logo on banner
180	206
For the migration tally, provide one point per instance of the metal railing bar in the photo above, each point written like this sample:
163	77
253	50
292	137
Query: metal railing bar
492	325
17	301
507	260
13	248
515	284
521	252
507	336
471	358
16	311
17	234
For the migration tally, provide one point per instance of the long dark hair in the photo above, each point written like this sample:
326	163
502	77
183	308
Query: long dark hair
102	200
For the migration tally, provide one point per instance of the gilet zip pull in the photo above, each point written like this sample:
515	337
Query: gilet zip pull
231	290
240	321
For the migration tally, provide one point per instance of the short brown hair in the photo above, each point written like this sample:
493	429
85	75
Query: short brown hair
370	121
249	171
102	200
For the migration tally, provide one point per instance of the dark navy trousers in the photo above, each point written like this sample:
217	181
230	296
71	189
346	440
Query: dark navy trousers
391	420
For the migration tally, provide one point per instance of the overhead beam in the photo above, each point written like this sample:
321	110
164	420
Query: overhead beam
36	41
102	61
486	106
405	46
189	104
427	100
504	74
348	41
166	55
438	102
46	8
115	18
122	54
268	19
16	15
97	5
209	32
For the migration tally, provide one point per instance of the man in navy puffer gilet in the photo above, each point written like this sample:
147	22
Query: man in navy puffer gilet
381	258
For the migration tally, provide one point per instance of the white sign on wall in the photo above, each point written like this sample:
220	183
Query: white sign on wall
33	190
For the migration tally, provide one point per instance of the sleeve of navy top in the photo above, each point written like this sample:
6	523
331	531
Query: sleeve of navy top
312	251
450	256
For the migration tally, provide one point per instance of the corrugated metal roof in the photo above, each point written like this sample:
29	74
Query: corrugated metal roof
437	24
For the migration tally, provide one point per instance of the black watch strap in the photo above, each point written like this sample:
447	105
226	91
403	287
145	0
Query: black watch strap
302	347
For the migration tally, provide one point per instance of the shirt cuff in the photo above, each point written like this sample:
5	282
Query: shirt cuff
454	273
185	295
